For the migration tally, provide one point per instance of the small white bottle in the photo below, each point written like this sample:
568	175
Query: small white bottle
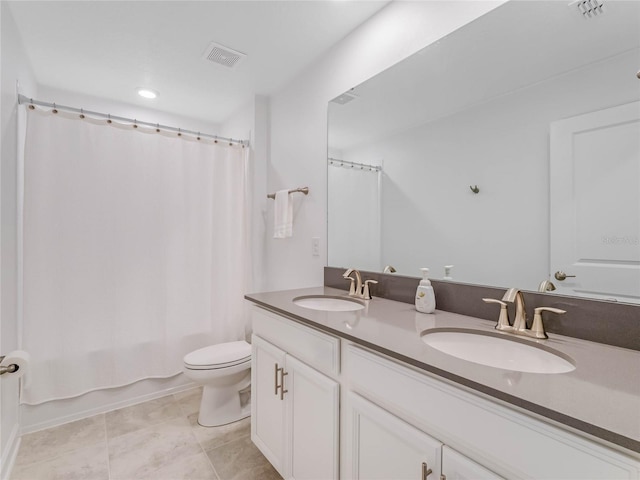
447	272
425	298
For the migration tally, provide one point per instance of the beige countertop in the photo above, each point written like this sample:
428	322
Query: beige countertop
601	397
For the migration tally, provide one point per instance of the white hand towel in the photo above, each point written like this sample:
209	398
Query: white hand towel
283	215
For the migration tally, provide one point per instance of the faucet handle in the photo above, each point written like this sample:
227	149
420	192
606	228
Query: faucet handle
352	288
503	319
537	328
366	294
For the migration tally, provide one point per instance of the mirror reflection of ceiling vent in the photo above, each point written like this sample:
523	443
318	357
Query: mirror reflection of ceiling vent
589	8
346	97
222	55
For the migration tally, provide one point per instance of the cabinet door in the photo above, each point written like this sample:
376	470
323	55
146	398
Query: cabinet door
383	447
313	413
267	407
458	467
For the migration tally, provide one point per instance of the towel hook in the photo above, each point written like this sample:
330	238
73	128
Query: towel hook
474	189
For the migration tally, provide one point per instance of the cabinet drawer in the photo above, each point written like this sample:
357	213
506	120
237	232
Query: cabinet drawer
506	441
316	348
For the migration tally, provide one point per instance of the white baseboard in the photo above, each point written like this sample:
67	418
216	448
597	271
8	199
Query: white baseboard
9	454
76	409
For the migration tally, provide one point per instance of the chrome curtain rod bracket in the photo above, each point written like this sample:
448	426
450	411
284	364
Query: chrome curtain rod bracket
135	122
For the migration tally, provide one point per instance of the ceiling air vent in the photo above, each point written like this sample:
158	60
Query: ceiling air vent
222	55
346	97
589	8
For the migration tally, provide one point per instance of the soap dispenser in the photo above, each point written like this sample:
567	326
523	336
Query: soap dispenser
425	298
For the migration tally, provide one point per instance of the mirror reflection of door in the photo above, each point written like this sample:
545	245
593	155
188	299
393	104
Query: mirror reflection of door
595	204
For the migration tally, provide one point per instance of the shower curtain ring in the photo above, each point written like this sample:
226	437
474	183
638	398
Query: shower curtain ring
55	110
198	137
179	133
135	123
158	127
109	118
81	113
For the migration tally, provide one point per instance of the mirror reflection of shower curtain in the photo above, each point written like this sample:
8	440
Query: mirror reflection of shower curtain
135	253
354	197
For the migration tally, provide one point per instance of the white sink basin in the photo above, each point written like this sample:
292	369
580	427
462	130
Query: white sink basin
499	351
328	303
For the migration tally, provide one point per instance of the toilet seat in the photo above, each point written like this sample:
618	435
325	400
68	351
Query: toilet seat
219	356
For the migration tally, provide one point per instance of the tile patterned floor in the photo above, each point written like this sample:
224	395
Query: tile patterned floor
159	440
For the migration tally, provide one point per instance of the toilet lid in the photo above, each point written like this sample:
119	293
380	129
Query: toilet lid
220	355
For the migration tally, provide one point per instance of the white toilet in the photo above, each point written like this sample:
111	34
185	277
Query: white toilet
224	370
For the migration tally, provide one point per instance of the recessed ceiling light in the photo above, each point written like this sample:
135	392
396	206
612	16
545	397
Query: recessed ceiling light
147	93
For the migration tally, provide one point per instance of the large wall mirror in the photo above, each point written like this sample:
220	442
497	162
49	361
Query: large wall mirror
509	149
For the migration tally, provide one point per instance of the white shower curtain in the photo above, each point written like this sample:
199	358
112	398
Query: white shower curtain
135	252
354	219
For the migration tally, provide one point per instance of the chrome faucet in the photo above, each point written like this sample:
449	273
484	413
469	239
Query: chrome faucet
356	283
519	327
357	288
520	321
546	286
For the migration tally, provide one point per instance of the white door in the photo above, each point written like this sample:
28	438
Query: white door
595	204
267	404
383	447
459	467
313	412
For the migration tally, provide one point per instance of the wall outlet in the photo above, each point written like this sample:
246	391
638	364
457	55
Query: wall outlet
315	246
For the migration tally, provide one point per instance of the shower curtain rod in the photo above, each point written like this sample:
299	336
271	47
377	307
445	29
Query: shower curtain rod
362	166
30	101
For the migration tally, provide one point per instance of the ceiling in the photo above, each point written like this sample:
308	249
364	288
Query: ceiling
512	47
109	48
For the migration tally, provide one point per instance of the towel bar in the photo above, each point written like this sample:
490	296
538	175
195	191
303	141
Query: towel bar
304	190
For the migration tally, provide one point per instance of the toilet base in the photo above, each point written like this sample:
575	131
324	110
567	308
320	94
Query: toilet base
221	405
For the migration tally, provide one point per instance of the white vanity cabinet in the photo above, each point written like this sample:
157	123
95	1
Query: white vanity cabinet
458	467
295	407
325	408
267	408
380	446
492	437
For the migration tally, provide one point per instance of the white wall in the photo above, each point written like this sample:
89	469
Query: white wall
15	68
252	122
431	218
298	121
144	114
